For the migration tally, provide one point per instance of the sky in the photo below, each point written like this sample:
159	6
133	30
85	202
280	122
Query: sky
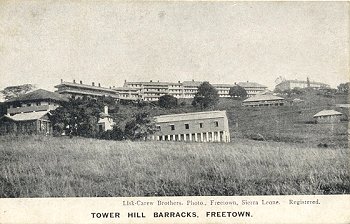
107	42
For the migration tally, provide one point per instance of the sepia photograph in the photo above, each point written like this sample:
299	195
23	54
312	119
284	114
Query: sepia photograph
174	98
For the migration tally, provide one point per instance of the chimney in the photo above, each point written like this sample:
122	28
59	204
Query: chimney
192	80
99	84
110	87
61	80
235	83
150	81
81	82
106	110
125	81
73	80
113	86
178	81
158	80
93	84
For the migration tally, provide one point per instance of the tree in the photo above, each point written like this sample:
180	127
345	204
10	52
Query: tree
77	117
141	126
167	101
297	91
238	92
15	91
206	96
344	87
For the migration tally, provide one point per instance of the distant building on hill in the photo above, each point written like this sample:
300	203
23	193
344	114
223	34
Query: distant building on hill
209	126
151	91
263	100
328	116
79	90
291	84
252	88
29	113
105	122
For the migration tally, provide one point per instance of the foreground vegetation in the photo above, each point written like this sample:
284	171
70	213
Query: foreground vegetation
36	166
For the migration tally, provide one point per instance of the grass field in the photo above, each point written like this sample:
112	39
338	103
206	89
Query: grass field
36	166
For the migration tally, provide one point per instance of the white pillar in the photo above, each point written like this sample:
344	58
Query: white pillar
201	136
196	137
179	136
224	136
219	139
207	137
168	137
212	137
153	137
190	137
184	137
157	138
174	139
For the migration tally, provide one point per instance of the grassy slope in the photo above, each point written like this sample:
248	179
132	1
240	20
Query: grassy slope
55	167
287	124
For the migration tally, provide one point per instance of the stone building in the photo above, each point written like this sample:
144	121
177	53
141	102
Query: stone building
209	126
291	84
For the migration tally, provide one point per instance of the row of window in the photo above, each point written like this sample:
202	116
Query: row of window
187	126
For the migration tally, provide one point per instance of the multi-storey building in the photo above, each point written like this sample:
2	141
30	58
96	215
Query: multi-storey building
151	91
74	90
208	126
291	84
252	88
190	88
28	114
128	93
223	89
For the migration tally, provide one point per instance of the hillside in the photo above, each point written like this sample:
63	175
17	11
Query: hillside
289	123
37	166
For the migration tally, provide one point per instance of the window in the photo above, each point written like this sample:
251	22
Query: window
38	103
216	123
158	128
172	127
187	126
200	125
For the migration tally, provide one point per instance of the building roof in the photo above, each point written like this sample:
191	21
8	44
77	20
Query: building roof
251	85
39	94
84	86
154	83
190	116
223	85
27	116
262	97
192	83
303	81
125	89
327	113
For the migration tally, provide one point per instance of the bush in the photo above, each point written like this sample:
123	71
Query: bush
167	101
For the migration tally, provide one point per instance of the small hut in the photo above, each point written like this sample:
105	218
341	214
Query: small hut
328	116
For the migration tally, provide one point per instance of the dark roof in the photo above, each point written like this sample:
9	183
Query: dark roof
39	94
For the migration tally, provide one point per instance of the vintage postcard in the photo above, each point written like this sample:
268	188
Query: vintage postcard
174	112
